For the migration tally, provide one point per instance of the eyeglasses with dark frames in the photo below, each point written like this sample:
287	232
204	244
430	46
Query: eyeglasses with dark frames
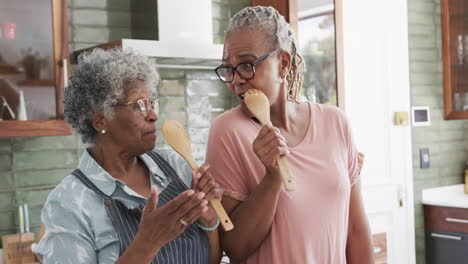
144	105
246	70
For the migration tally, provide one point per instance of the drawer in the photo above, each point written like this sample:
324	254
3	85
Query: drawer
446	218
446	247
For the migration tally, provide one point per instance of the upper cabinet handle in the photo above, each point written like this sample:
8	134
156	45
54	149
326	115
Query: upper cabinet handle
446	236
456	220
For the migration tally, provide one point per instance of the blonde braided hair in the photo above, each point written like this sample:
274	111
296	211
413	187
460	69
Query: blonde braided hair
268	20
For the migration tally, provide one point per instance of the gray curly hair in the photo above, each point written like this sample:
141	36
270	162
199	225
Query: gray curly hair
268	20
98	81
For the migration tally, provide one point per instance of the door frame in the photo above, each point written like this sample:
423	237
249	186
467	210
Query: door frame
405	136
289	8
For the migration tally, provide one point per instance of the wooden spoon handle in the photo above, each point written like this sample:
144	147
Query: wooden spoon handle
288	180
177	138
223	217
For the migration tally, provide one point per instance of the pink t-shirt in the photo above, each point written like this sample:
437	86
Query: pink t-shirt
311	223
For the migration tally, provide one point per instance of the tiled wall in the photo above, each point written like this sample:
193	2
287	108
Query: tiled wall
31	167
194	98
446	140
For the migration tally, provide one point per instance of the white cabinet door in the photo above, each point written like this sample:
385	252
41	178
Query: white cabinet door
372	52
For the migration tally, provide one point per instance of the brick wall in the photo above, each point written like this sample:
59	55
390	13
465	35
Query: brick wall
31	167
445	139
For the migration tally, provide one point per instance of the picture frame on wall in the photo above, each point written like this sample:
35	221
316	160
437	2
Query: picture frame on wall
420	116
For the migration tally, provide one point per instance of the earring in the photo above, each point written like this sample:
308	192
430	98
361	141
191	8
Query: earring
103	131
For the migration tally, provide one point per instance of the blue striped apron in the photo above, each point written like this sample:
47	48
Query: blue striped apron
189	247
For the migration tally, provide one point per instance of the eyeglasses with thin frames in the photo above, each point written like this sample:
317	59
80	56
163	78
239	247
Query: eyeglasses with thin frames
144	105
246	70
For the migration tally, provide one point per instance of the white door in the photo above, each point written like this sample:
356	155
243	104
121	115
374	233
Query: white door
372	54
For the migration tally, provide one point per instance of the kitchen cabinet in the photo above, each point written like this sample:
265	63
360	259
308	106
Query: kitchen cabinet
33	68
446	224
455	58
446	234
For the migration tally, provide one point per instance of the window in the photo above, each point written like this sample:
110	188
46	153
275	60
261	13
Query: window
316	34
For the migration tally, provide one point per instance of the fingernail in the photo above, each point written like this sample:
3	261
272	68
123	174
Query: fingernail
200	195
198	175
204	202
205	209
190	192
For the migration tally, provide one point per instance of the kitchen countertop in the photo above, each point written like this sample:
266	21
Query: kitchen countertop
448	196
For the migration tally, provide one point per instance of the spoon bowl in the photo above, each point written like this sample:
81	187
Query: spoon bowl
259	106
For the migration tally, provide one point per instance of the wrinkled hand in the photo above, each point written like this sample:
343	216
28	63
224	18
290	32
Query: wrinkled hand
269	145
203	181
159	226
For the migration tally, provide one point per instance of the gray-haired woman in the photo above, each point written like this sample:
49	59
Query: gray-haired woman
323	220
126	203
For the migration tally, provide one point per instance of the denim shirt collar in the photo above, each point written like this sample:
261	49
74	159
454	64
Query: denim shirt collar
108	184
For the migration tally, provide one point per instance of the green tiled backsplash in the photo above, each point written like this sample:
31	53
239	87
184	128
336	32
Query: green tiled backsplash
446	140
31	167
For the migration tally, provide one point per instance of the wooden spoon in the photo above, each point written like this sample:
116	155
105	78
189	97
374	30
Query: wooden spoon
258	104
178	139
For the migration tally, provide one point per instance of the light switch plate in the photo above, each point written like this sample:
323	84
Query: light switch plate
424	158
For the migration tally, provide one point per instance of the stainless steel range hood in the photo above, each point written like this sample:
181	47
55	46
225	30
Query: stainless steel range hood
177	55
185	37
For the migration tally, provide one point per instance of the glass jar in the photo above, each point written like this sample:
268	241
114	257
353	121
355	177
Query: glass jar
460	50
465	49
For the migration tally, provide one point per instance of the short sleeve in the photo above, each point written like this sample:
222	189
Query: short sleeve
67	238
355	158
225	164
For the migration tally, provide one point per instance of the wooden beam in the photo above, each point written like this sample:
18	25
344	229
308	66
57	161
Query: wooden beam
339	54
61	52
287	8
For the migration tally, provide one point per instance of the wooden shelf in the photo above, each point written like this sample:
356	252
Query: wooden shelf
458	65
110	45
36	83
34	128
455	115
8	69
460	16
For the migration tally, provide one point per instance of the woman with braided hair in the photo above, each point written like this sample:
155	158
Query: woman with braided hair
323	220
